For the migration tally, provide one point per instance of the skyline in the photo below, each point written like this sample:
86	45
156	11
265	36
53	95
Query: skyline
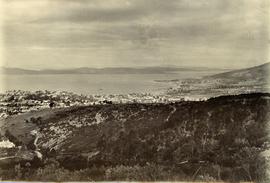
42	34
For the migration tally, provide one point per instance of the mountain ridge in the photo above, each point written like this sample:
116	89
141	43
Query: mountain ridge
105	70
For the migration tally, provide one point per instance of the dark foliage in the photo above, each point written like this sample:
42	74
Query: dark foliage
218	139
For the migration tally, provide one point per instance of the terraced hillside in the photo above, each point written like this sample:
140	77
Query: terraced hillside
223	138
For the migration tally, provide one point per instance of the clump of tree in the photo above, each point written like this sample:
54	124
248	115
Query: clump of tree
37	121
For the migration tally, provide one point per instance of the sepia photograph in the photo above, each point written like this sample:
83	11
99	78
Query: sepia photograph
135	90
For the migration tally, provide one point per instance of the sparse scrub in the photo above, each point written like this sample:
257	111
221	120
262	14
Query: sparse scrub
219	139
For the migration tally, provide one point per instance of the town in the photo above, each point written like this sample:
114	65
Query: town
19	101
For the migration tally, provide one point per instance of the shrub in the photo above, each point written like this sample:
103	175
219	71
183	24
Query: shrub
149	172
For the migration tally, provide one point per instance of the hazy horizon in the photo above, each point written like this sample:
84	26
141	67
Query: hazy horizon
115	67
138	67
64	34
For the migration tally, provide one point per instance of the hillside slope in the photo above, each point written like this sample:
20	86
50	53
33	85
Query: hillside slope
249	80
261	72
223	136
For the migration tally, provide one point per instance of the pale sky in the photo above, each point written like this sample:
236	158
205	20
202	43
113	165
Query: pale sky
40	34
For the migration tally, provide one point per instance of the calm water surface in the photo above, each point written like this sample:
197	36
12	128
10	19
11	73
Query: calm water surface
96	83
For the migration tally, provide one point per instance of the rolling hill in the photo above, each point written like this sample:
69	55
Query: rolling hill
261	72
248	80
221	138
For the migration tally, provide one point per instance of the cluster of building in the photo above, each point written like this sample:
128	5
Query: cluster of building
207	88
18	101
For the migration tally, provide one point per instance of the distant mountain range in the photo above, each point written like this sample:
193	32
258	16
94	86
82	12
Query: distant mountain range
257	72
109	70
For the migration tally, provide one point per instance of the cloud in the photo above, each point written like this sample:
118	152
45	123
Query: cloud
120	31
107	11
81	11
